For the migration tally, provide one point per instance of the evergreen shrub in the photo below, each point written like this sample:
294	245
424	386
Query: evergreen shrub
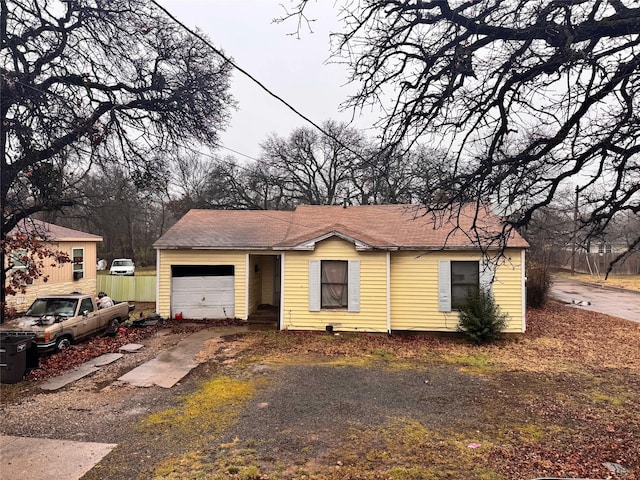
480	318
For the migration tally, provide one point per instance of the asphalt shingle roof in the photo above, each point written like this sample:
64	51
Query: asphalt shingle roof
376	226
51	232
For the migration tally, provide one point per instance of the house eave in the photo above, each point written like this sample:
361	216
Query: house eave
240	248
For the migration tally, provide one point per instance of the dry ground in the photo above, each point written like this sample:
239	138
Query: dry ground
630	282
559	402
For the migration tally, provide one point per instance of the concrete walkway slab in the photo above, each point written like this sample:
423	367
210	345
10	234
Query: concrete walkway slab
612	301
60	381
172	365
45	459
81	371
105	359
131	347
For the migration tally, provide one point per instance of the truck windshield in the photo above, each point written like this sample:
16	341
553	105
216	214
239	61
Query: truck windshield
53	306
122	263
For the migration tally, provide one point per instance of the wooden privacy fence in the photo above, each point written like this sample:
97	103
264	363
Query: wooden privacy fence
136	289
598	263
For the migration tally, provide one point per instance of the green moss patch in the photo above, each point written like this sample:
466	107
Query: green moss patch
211	409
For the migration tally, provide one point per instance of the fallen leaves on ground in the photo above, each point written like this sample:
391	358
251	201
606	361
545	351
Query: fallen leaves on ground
567	391
58	363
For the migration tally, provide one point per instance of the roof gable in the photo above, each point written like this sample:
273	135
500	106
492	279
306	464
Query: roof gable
310	243
386	227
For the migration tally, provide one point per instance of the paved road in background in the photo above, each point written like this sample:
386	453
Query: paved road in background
612	301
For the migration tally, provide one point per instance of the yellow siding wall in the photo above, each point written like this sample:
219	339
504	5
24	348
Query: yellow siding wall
413	293
60	277
373	297
201	257
414	290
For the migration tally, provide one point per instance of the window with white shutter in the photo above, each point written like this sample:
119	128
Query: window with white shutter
334	284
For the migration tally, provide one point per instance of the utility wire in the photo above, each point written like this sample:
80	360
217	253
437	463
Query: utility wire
253	79
261	85
237	67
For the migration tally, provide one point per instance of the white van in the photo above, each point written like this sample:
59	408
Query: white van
122	266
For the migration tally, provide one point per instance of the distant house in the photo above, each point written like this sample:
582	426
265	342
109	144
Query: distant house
374	268
79	275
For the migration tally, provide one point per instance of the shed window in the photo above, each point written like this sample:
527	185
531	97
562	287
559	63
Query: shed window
464	278
18	259
335	284
78	263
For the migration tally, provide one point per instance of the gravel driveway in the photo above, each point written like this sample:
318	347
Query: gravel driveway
298	408
309	407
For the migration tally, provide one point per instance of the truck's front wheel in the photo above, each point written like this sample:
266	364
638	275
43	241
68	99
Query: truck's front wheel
63	343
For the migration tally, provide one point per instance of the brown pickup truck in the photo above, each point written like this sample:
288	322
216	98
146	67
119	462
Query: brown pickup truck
57	321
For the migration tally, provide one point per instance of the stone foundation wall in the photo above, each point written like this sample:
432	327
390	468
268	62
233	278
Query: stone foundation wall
22	301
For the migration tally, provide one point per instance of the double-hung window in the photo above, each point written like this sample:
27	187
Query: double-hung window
78	263
334	284
457	278
465	278
18	259
604	248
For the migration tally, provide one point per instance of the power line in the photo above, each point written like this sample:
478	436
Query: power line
253	79
237	152
240	69
262	86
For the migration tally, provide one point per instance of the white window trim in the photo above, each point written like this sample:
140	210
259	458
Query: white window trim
73	263
16	253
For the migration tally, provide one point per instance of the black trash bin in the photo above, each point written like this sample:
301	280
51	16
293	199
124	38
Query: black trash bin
13	357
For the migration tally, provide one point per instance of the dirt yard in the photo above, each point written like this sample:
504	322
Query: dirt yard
561	401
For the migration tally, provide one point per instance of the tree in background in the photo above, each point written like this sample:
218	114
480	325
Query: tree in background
314	168
89	84
527	97
128	217
384	177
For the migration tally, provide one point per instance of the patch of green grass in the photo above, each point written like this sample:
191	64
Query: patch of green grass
599	397
145	271
383	353
252	472
631	282
474	362
411	473
191	465
527	432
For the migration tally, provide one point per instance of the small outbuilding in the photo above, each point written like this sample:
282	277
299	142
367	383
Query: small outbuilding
77	275
371	268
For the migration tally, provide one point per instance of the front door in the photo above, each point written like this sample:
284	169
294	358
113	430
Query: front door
276	280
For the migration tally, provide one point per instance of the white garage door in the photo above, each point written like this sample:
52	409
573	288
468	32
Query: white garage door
200	292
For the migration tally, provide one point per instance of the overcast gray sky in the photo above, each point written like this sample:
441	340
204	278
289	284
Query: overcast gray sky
295	69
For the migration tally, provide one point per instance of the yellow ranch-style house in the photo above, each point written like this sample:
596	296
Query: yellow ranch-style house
370	268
